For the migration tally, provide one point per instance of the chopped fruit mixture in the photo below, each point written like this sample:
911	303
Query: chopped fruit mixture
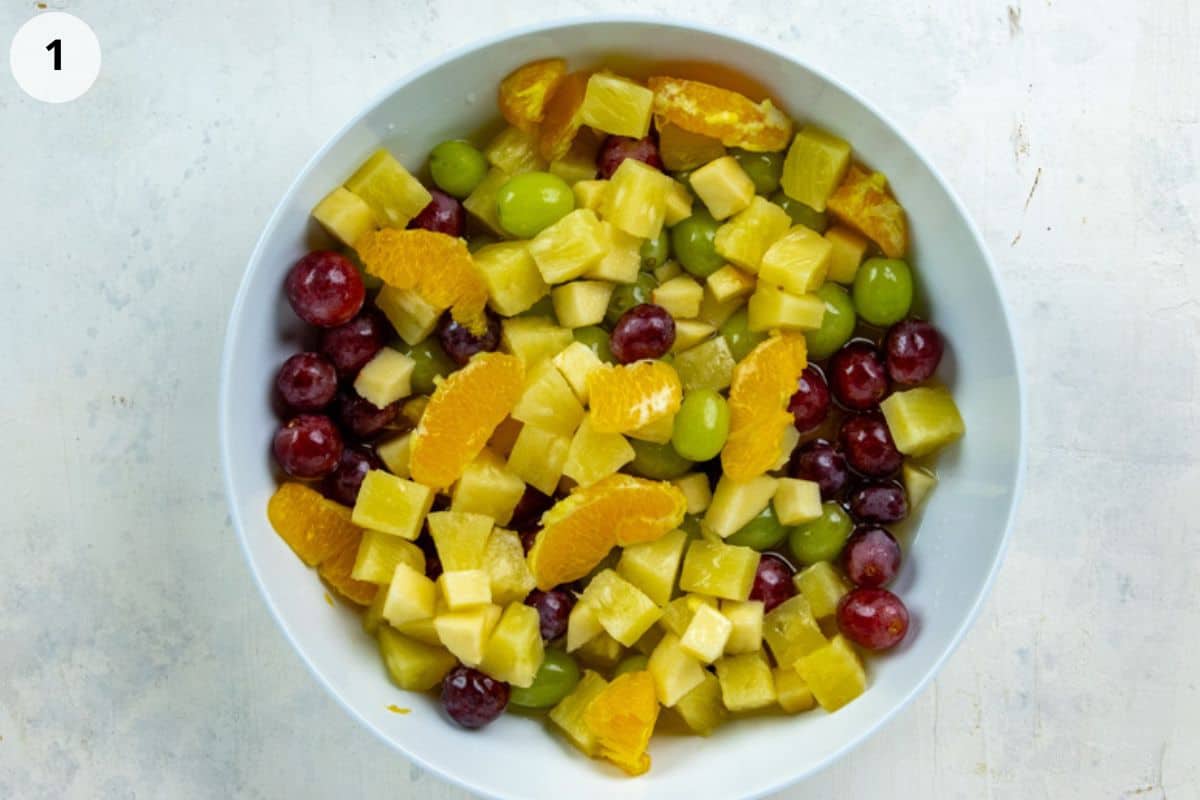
622	413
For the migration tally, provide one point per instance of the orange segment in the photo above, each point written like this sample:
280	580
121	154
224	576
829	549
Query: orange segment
863	203
580	530
462	415
763	382
437	266
626	398
622	718
524	92
561	120
336	572
732	118
315	527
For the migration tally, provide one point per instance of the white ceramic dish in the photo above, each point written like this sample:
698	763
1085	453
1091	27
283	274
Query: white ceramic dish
962	534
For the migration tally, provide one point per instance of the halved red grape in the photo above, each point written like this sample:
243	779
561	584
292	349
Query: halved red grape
325	289
871	556
644	331
443	214
819	461
810	404
554	609
879	502
772	581
308	446
868	445
307	382
359	418
857	376
914	350
873	618
355	463
352	345
527	516
618	148
460	343
473	698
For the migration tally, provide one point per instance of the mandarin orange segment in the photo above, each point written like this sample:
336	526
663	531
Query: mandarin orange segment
316	528
524	92
437	266
580	530
864	203
628	397
336	572
728	116
763	383
561	120
622	718
465	410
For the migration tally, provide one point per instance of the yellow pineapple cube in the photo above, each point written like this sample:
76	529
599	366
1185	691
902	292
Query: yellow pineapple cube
514	151
922	420
846	250
533	339
636	201
579	164
822	586
481	203
489	488
511	276
410	596
569	247
815	165
679	204
393	194
834	673
675	671
616	105
508	571
372	618
460	538
386	378
568	715
751	233
746	625
624	611
594	455
667	271
715	312
589	194
396	453
464	588
735	503
623	260
548	401
706	366
746	682
791	631
719	570
504	437
706	635
392	505
797	501
791	691
581	303
659	431
583	624
771	308
723	186
798	261
696	491
918	483
514	651
538	457
380	553
345	215
601	652
682	150
466	633
576	362
410	314
421	630
679	612
412	665
680	297
701	709
652	566
730	283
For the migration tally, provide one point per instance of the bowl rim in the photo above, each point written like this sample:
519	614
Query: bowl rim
225	399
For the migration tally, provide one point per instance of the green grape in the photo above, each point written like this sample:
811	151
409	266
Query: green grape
883	291
836	326
658	462
555	679
481	240
533	201
691	526
429	361
801	213
628	295
762	168
738	336
656	251
693	241
542	308
761	533
701	426
821	539
457	167
596	338
684	176
633	663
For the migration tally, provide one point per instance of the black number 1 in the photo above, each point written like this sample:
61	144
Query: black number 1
56	48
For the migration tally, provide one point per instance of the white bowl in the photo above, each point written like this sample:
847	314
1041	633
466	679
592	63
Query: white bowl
961	536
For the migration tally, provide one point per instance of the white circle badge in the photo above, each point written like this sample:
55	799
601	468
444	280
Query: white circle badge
55	57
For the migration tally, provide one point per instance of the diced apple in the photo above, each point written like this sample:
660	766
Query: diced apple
680	297
922	420
581	303
846	250
701	709
511	276
579	164
815	165
718	570
771	308
481	203
735	503
653	566
345	215
594	455
616	105
514	651
834	673
682	150
568	715
706	366
752	232
791	631
533	339
863	202
715	312
590	194
623	260
822	586
410	596
538	457
576	362
412	665
797	501
624	611
569	247
396	453
730	283
391	504
465	633
723	186
548	401
798	261
380	553
746	621
696	491
488	487
386	378
514	151
465	588
918	483
675	671
746	682
393	194
679	204
636	200
601	652
460	538
583	625
706	635
791	691
508	571
410	314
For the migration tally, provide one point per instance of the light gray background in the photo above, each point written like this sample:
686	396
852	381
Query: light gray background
136	659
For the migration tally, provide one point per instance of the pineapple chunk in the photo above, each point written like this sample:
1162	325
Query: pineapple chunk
548	401
719	570
791	691
514	652
533	339
797	501
798	261
772	308
701	709
675	671
465	633
922	420
601	652
751	233
569	247
624	258
396	453
707	634
679	204
653	566
590	194
659	431
746	682
668	271
489	488
576	362
864	203
579	164
594	455
706	366
617	105
792	631
582	625
392	505
345	215
822	587
514	151
372	618
481	203
380	553
410	314
723	186
581	303
393	194
815	165
682	150
735	503
505	437
730	283
746	625
460	538
846	251
636	201
918	483
624	611
568	715
421	630
715	312
512	278
696	491
386	378
410	596
538	457
834	673
412	665
508	571
680	297
464	588
679	612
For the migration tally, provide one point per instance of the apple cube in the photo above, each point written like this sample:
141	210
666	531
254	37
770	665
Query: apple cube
514	151
481	203
372	617
746	682
548	401
569	247
396	454
345	215
601	652
797	501
583	625
514	652
636	201
735	503
489	488
508	571
706	366
715	312
386	378
623	260
689	333
918	483
589	194
511	277
815	165
576	362
846	250
696	491
410	596
680	297
822	586
533	339
624	611
772	308
719	570
465	588
466	633
652	566
730	283
706	635
616	105
723	186
834	673
679	612
791	691
798	261
745	238
667	271
581	303
460	538
568	715
682	150
410	314
413	665
380	553
594	455
679	204
922	420
746	625
701	709
791	631
675	671
391	504
393	194
538	457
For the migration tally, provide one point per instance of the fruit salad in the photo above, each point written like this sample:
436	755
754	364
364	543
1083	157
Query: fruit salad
618	415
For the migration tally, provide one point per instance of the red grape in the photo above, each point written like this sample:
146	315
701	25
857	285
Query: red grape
443	214
554	609
473	698
914	350
460	343
618	148
879	502
868	445
857	376
325	289
354	465
871	556
820	462
810	404
308	446
644	331
307	382
352	345
772	581
873	618
359	418
527	516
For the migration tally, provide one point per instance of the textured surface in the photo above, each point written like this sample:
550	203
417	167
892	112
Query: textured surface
136	658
